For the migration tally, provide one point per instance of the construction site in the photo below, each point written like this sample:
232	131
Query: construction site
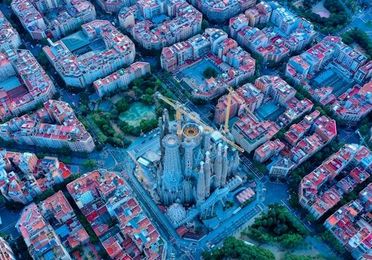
192	171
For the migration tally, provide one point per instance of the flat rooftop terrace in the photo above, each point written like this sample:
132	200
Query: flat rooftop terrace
269	111
76	41
10	83
330	78
195	71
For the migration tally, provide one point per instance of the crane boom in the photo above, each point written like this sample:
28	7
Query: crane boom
180	109
228	108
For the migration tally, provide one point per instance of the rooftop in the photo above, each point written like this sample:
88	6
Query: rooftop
24	83
53	125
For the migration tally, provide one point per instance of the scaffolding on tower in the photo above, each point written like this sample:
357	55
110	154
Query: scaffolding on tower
182	110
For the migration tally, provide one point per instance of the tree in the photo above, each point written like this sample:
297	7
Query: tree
298	257
65	151
237	249
291	240
2	199
209	73
42	59
205	24
280	134
360	37
107	129
138	82
364	129
118	141
90	164
331	239
150	91
83	109
137	91
338	17
199	101
281	228
147	99
277	225
84	98
124	126
147	125
122	106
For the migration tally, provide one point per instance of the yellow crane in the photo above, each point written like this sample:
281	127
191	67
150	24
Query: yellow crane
181	110
228	108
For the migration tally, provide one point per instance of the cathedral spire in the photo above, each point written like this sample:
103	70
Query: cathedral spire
172	171
200	186
207	141
218	167
207	172
225	166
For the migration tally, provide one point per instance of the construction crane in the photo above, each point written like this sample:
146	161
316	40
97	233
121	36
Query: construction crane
228	108
181	110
